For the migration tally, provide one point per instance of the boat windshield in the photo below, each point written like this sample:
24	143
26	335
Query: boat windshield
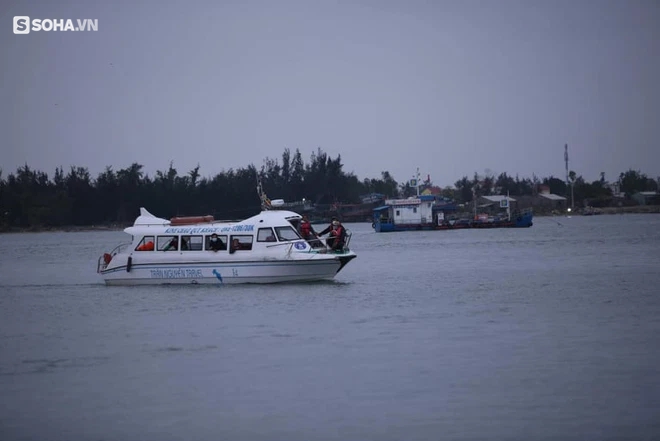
287	233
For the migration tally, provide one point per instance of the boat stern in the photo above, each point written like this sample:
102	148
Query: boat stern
524	219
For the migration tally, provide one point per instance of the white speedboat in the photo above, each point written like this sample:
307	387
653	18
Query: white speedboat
265	248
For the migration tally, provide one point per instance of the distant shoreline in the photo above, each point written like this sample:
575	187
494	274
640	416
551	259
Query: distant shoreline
68	229
641	209
637	209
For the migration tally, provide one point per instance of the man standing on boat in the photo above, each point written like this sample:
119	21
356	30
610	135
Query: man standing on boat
330	227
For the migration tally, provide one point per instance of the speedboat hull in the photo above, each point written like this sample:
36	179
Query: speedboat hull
226	273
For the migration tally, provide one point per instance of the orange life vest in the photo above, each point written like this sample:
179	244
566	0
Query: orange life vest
149	246
305	228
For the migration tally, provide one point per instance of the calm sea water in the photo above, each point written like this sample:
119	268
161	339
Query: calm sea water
546	333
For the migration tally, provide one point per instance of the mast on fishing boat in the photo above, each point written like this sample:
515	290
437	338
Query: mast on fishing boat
414	182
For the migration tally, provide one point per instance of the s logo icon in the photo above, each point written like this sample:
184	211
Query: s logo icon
21	24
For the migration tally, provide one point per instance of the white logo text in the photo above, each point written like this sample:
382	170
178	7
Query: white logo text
23	24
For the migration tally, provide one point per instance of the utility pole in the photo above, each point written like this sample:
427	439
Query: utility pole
566	162
568	182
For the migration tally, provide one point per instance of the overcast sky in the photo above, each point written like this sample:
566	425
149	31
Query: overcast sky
450	87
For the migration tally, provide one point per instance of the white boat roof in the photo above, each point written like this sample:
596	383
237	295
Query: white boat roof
147	223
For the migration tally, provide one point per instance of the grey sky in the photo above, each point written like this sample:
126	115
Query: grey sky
451	87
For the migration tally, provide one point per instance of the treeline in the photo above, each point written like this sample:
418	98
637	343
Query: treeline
628	183
30	198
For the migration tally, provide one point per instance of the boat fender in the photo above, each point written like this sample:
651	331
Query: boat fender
129	264
107	258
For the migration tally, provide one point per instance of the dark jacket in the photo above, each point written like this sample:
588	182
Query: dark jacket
327	230
217	245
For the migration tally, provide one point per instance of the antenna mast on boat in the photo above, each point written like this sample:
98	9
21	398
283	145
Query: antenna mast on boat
265	202
416	180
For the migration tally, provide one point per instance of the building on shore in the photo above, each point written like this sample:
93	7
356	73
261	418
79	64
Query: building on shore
493	203
647	197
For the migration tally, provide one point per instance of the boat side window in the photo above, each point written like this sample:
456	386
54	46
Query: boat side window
287	233
266	235
146	244
241	242
191	243
221	243
168	243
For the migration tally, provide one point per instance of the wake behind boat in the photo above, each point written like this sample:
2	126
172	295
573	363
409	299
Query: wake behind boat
265	248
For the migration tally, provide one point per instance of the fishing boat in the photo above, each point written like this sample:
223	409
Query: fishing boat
423	212
265	248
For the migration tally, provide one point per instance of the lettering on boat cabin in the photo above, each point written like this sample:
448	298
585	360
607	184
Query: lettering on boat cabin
178	273
199	230
238	228
191	230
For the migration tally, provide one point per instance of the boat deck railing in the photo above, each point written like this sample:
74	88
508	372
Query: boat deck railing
313	243
348	239
101	264
103	261
120	248
317	245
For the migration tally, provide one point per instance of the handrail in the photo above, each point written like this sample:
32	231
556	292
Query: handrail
101	264
313	249
348	239
119	248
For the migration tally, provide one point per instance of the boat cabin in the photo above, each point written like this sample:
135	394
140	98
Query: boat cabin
200	239
413	210
203	233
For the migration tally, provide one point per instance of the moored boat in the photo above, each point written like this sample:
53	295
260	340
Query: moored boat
422	213
265	248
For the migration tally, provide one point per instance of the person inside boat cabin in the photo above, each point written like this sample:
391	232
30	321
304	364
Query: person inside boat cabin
173	245
337	236
307	231
215	243
235	245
